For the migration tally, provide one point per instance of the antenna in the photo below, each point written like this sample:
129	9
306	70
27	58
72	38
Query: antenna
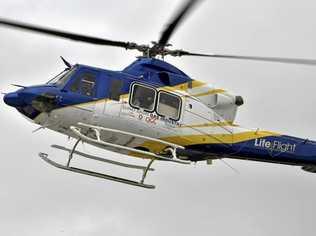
230	166
66	62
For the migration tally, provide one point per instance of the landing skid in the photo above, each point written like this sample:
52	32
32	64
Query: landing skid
171	149
44	156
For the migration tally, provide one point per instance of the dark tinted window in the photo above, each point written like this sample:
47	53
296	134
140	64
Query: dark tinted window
169	105
164	78
143	97
116	89
84	84
88	85
75	86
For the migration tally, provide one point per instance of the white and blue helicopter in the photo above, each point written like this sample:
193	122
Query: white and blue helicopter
150	110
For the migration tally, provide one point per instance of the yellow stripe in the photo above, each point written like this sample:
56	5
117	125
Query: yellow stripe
211	124
210	92
185	86
196	83
207	139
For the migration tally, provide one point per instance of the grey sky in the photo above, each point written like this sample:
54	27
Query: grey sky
265	199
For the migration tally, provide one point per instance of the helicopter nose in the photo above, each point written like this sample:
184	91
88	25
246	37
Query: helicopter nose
13	100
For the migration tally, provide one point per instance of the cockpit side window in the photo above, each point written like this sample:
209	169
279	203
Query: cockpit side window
85	84
63	77
143	97
169	105
88	85
62	81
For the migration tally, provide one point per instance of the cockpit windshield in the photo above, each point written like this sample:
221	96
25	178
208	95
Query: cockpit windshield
62	78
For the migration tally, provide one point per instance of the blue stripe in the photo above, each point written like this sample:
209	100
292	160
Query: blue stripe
280	149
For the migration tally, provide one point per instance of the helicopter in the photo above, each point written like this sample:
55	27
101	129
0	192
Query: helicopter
150	110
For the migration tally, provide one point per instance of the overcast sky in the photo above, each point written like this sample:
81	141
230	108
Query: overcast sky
264	199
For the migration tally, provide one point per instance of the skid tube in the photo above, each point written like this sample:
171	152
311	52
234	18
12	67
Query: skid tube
44	156
73	151
172	149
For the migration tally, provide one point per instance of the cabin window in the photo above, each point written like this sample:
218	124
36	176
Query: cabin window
143	97
169	105
116	89
87	85
84	84
164	78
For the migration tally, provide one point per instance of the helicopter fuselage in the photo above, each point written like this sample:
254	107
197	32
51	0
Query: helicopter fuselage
154	99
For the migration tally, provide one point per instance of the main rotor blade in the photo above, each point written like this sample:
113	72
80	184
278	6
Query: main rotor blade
62	34
179	17
268	59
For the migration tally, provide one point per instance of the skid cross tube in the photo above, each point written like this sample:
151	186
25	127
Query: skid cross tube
72	151
146	170
101	159
97	129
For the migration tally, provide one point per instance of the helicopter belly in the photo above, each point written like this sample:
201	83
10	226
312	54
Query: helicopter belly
190	130
113	117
